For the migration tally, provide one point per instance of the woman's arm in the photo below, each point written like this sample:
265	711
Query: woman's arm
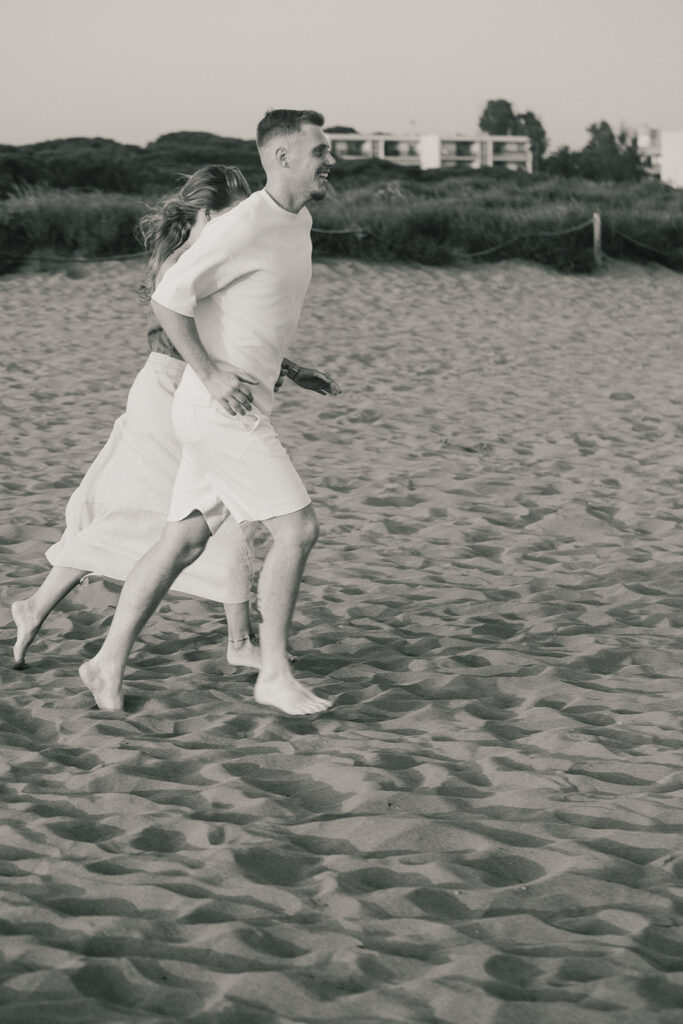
308	378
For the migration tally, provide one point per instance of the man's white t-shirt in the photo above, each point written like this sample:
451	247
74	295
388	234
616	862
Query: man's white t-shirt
244	281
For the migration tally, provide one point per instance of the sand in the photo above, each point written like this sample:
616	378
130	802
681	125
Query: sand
487	828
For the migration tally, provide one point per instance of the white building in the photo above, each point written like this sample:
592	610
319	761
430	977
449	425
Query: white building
649	143
662	154
671	159
431	151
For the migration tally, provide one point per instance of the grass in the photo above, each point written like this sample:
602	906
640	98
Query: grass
66	222
434	218
449	220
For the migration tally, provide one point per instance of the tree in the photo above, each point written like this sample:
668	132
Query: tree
564	162
498	118
607	157
340	130
528	124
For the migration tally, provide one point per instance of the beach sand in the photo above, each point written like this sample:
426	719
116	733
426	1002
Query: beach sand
487	827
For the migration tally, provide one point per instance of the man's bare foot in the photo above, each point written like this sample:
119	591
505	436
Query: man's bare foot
27	628
108	692
284	692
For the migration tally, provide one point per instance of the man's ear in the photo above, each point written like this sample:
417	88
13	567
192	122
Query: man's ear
282	156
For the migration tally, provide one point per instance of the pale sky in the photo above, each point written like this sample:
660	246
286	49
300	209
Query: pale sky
132	70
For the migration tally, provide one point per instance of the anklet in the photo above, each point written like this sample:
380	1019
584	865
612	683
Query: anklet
242	639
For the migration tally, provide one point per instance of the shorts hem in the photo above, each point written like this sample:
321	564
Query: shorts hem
215	520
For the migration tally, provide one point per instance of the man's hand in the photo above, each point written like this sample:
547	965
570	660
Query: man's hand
315	380
230	391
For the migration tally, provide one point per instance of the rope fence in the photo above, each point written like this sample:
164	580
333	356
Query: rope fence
634	241
526	238
54	258
364	233
340	231
597	221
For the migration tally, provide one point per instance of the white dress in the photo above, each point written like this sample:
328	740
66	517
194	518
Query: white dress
120	507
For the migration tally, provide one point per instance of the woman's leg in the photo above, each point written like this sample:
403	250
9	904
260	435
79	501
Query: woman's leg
30	614
243	649
237	551
243	645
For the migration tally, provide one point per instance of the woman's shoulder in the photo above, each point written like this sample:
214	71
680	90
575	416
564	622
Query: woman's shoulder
169	262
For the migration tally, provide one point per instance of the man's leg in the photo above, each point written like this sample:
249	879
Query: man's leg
293	538
180	544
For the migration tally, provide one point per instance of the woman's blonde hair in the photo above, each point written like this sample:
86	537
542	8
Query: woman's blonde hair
167	225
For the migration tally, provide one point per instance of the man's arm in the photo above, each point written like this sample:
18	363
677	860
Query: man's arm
229	390
203	269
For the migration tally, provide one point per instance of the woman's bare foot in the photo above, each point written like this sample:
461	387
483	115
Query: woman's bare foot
245	653
107	690
284	692
27	629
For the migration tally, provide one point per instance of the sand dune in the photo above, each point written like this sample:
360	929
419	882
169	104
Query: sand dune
487	828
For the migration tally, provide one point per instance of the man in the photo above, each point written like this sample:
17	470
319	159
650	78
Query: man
230	306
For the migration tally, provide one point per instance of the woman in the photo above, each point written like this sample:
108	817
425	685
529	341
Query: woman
118	511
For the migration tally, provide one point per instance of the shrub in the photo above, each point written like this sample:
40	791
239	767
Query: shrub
430	218
450	218
66	222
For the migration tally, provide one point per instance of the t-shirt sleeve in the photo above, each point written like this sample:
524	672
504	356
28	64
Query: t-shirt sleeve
204	268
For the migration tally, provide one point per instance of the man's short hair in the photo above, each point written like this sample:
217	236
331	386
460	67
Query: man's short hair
285	122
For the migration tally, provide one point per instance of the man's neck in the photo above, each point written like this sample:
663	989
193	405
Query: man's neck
281	195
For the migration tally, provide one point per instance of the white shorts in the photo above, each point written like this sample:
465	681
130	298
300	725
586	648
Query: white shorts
231	465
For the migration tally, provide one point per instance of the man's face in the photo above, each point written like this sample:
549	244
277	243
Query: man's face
310	159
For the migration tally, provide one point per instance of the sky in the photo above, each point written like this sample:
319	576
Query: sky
133	70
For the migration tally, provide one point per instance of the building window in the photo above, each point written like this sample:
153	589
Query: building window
399	148
352	147
508	148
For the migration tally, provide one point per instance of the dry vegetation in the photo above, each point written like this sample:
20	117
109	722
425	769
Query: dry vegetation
389	214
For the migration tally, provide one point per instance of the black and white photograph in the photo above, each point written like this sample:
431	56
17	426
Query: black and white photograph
342	532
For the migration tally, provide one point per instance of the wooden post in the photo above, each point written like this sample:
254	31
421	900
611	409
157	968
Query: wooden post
597	241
